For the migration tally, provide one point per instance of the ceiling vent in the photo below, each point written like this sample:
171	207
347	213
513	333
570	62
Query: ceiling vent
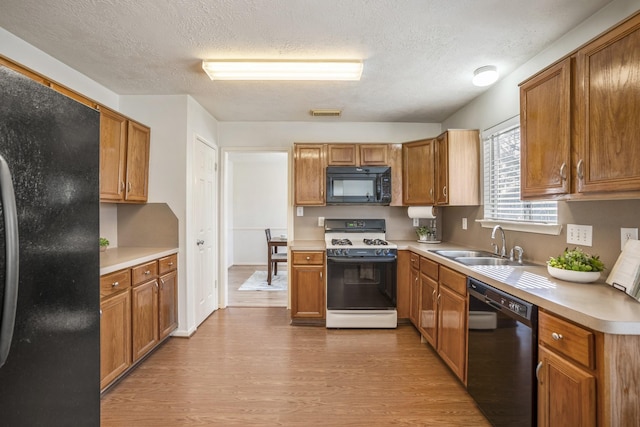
326	113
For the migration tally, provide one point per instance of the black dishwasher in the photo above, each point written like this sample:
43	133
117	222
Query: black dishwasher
503	353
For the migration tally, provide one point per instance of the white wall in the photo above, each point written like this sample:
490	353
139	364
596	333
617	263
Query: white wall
284	134
30	57
258	200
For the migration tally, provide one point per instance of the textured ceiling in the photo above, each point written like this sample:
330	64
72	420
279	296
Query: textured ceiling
419	55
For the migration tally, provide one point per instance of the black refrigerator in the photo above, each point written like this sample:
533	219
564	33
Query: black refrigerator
49	257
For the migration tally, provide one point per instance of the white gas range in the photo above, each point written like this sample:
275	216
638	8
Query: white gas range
361	274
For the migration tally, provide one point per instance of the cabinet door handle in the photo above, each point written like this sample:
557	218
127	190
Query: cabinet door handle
162	284
563	173
438	299
433	295
579	170
556	336
115	284
538	371
121	186
444	191
129	187
321	275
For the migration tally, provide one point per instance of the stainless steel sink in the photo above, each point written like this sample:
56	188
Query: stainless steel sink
463	254
485	261
473	258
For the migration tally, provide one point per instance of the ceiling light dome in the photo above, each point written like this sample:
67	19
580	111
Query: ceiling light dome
484	76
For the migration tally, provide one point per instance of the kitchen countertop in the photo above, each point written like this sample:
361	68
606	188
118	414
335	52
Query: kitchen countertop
124	257
595	305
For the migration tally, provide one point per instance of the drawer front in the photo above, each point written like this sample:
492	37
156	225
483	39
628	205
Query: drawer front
115	282
143	272
453	280
568	339
308	258
167	264
428	267
415	261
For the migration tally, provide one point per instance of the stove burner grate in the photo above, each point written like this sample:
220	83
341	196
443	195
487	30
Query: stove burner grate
375	242
341	242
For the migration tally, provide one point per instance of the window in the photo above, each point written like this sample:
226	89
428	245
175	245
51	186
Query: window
502	182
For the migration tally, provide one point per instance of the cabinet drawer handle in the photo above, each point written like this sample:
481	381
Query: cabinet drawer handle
147	272
538	371
308	258
579	170
563	174
556	336
170	264
115	284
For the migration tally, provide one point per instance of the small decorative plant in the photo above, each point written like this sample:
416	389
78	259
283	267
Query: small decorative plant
576	260
104	242
423	232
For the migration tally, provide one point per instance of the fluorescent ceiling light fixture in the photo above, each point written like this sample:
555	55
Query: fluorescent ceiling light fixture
484	76
282	70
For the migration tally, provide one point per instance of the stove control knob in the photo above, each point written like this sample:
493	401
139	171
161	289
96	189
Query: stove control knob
378	252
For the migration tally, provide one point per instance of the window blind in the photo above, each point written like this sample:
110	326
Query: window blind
502	182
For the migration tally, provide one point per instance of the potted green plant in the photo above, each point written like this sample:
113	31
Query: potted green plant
104	242
575	266
423	232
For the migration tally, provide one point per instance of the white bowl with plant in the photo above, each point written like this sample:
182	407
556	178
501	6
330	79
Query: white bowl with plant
104	243
575	266
423	232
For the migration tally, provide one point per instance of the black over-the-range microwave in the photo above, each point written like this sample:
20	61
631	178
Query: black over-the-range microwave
348	185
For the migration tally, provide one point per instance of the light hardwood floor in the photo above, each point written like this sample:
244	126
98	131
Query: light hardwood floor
237	276
250	367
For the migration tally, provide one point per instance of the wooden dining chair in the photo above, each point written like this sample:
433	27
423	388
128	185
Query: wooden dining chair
273	256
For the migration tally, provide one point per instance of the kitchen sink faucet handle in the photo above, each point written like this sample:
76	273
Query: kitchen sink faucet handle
495	247
519	250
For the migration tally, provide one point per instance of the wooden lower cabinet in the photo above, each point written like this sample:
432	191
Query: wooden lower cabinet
139	309
115	336
442	312
566	393
168	304
308	298
144	318
567	373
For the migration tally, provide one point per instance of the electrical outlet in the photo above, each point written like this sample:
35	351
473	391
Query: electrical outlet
320	221
464	223
300	211
416	222
579	234
627	234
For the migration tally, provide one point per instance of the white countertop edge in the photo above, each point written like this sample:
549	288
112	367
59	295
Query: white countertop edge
124	257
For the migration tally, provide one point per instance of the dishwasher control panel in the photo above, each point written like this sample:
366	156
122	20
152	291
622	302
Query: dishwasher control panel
500	299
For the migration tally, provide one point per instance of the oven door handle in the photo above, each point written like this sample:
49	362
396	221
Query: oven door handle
351	260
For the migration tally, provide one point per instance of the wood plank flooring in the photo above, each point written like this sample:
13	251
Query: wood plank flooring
250	367
236	277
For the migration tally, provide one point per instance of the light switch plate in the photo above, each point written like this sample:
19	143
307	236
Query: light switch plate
579	234
300	211
464	223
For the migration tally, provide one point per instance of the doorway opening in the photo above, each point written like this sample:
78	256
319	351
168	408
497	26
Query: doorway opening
256	197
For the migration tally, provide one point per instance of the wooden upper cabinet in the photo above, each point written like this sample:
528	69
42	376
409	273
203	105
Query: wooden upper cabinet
342	155
373	154
418	176
457	168
124	158
579	127
309	174
113	146
357	155
608	108
545	140
138	139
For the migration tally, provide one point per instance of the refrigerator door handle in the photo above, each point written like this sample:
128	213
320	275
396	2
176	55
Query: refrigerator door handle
11	261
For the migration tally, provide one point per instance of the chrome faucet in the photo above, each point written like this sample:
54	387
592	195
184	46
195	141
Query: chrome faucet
503	251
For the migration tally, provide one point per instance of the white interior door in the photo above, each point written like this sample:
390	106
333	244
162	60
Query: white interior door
206	283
